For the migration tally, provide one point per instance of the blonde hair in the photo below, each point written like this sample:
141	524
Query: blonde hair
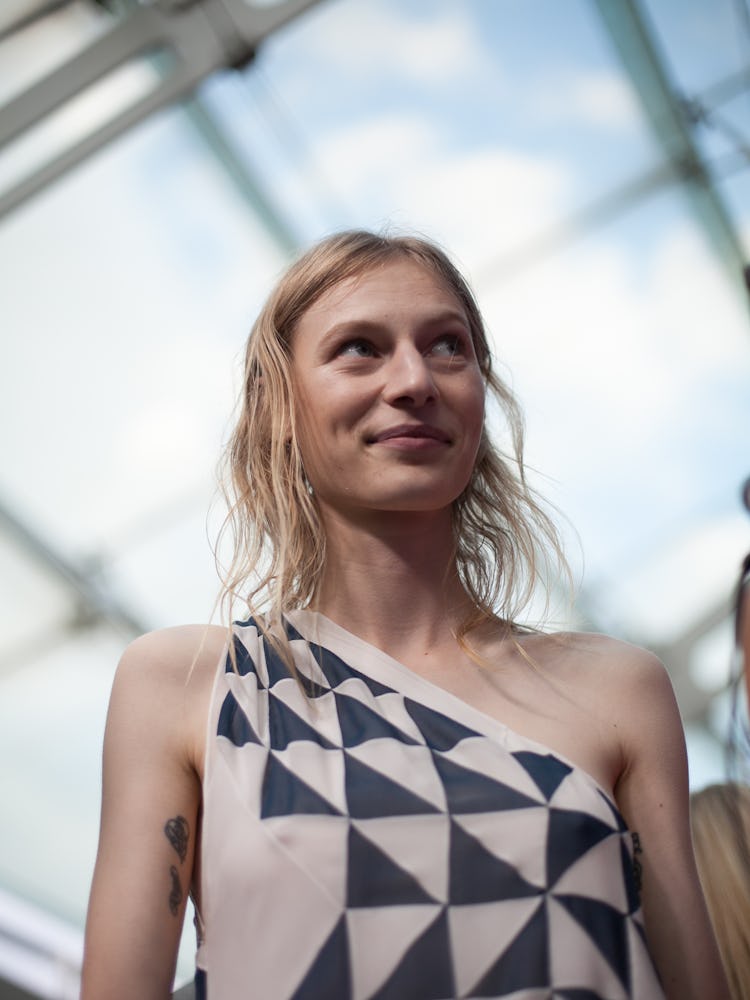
503	537
720	820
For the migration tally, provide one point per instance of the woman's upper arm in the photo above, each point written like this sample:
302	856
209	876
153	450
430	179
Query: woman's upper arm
653	796
150	802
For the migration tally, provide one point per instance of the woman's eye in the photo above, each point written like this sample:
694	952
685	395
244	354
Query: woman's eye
448	346
357	349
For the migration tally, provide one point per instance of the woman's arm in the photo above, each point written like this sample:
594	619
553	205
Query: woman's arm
150	802
652	793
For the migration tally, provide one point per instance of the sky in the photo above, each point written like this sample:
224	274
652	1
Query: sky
130	285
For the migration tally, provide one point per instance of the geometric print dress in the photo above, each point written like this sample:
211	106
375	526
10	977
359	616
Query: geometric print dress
373	837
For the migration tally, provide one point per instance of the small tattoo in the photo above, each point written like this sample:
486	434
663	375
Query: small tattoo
175	896
637	866
177	832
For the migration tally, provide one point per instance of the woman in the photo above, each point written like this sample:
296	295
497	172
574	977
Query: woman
399	792
720	821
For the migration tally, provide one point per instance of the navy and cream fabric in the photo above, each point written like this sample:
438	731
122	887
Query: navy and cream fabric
374	837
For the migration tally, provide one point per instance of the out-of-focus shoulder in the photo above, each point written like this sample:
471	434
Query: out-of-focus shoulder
605	645
174	654
605	652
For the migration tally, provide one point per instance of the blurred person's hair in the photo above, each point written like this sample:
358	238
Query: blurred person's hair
720	822
738	744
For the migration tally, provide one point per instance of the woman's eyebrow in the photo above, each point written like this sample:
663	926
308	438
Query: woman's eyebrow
352	328
448	316
363	326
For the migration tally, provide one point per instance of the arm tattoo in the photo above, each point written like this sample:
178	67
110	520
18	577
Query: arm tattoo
175	895
637	866
176	831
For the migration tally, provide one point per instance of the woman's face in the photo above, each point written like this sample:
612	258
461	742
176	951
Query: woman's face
389	395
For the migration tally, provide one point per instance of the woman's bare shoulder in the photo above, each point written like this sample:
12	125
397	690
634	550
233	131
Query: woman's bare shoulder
627	680
613	670
595	650
168	662
161	692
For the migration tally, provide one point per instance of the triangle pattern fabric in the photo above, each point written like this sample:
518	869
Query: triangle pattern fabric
644	981
523	965
337	671
425	972
405	844
440	731
588	876
386	935
469	791
285	726
411	766
546	770
276	669
330	974
413	847
311	687
577	961
576	994
234	724
481	933
284	794
322	770
517	836
374	879
370	794
476	876
291	632
570	835
605	926
359	723
244	662
308	672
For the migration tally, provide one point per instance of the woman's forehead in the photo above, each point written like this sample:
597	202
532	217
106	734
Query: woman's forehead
398	285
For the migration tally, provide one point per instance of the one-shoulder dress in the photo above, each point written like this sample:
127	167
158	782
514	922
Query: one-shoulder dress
368	836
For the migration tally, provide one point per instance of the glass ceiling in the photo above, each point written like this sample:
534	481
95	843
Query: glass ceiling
512	132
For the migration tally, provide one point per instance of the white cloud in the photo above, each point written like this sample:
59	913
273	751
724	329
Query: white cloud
585	330
398	168
486	200
599	98
624	368
360	38
376	152
605	100
706	331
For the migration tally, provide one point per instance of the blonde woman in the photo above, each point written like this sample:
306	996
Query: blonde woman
720	819
382	785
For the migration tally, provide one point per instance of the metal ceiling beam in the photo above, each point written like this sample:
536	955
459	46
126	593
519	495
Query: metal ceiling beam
667	113
95	600
246	183
192	38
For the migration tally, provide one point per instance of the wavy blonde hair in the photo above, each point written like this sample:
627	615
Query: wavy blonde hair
720	821
503	537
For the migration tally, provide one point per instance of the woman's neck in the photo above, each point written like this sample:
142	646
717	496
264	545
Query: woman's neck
394	581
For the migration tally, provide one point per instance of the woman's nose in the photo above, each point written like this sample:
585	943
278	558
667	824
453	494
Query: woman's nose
409	378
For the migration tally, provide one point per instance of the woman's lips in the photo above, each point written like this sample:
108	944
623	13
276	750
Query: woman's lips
411	435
